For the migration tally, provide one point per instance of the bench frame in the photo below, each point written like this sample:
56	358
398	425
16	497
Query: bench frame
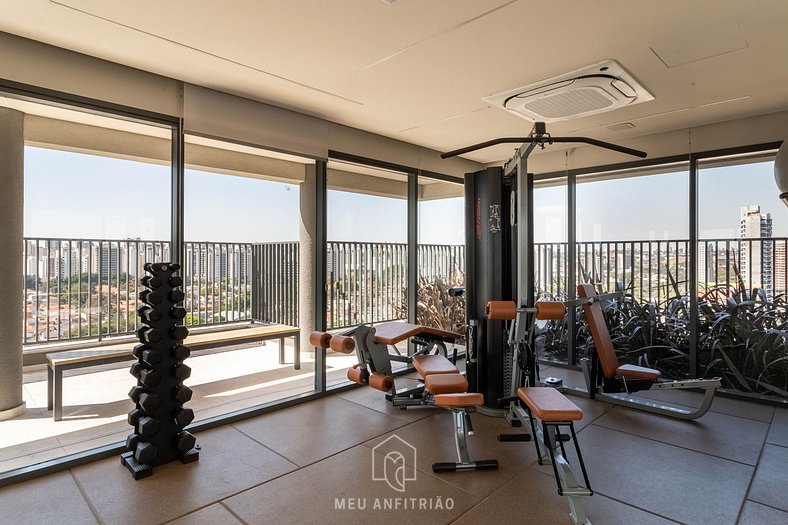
113	355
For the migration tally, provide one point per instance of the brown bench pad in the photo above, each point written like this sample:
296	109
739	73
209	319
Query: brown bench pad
638	372
548	404
459	400
427	365
393	333
445	384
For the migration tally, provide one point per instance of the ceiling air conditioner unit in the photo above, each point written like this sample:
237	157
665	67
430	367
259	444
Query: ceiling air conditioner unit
594	89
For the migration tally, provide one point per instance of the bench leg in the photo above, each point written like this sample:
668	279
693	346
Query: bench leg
50	386
297	352
281	350
57	396
462	427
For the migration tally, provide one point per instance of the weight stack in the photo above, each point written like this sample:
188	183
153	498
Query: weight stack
159	416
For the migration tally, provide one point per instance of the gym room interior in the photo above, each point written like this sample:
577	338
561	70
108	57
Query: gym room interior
439	261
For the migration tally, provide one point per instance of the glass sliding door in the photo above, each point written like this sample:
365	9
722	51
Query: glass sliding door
367	252
241	274
632	232
742	275
97	206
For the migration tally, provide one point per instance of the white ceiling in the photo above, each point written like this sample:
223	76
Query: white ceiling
417	70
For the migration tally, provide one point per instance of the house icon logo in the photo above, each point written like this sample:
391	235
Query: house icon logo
394	461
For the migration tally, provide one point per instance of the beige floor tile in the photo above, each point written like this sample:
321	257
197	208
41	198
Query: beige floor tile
433	439
31	459
229	462
52	499
532	497
729	437
309	496
215	514
312	431
770	484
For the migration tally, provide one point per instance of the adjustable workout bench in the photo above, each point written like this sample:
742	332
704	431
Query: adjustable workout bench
546	404
614	383
374	356
443	386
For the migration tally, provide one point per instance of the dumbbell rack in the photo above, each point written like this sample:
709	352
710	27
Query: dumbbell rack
159	417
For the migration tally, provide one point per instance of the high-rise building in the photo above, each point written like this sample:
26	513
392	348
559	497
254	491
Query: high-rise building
756	255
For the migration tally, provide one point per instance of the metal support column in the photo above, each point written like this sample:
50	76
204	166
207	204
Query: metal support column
571	265
320	304
177	246
693	265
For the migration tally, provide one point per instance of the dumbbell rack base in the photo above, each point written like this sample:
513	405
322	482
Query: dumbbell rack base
143	470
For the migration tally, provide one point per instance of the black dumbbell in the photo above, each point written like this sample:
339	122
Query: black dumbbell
140	348
180	352
135	393
151	297
149	378
177	312
136	369
175	281
134	416
152	281
179	332
177	296
185	441
149	426
182	394
141	333
183	416
175	267
132	440
181	372
149	315
152	356
152	267
146	453
151	335
149	401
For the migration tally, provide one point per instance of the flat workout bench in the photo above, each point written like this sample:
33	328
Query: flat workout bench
70	359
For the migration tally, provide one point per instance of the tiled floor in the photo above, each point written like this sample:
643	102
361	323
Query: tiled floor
300	465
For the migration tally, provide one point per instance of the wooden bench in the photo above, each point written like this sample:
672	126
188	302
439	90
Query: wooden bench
57	362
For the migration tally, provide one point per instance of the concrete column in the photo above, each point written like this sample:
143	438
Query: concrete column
12	154
306	258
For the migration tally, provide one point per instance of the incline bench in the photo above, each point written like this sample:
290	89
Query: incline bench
59	361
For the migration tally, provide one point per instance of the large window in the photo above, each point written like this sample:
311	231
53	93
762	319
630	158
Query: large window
742	274
441	254
97	206
633	237
241	273
367	252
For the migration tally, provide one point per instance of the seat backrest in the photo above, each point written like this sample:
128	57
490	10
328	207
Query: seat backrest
599	331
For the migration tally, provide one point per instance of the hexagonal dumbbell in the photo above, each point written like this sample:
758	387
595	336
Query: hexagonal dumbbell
183	416
149	315
149	426
138	349
177	296
152	356
182	394
146	452
181	372
181	352
152	281
134	416
136	369
185	441
178	312
152	335
149	401
150	297
179	332
149	378
175	281
135	393
132	440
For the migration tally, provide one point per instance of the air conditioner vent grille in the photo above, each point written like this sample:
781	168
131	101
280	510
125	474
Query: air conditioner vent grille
568	103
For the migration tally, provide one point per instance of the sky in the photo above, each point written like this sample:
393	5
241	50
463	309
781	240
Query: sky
75	195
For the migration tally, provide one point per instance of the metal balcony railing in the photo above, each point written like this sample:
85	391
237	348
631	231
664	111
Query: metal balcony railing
87	288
